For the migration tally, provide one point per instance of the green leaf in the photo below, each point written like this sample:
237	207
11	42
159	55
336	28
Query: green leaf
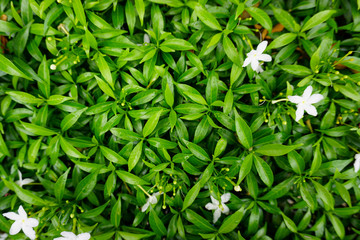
37	130
349	91
95	211
130	178
279	190
79	11
197	151
243	131
151	124
23	98
135	236
156	224
260	16
177	44
245	167
135	155
34	150
86	186
325	195
191	196
115	216
70	119
264	171
231	222
231	51
329	118
317	160
57	99
21	39
110	184
338	225
344	193
105	87
282	40
297	70
8	27
318	18
199	221
60	185
162	143
112	156
104	69
296	161
125	134
276	149
140	8
289	223
130	16
192	93
26	195
306	195
207	18
69	149
285	19
3	148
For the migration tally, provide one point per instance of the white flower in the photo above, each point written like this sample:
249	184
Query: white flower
146	39
152	199
53	67
3	236
22	222
21	182
254	56
304	103
72	236
219	207
357	162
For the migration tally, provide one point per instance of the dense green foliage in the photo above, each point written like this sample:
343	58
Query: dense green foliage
138	119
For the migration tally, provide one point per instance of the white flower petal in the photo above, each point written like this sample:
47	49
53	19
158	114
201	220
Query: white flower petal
295	99
254	64
60	238
251	53
27	181
259	69
214	201
310	109
11	216
357	164
29	232
225	209
153	199
264	57
247	62
83	236
22	212
145	207
217	215
315	98
210	206
146	38
31	222
299	112
19	183
307	93
15	228
20	175
3	236
225	197
70	235
357	156
261	47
